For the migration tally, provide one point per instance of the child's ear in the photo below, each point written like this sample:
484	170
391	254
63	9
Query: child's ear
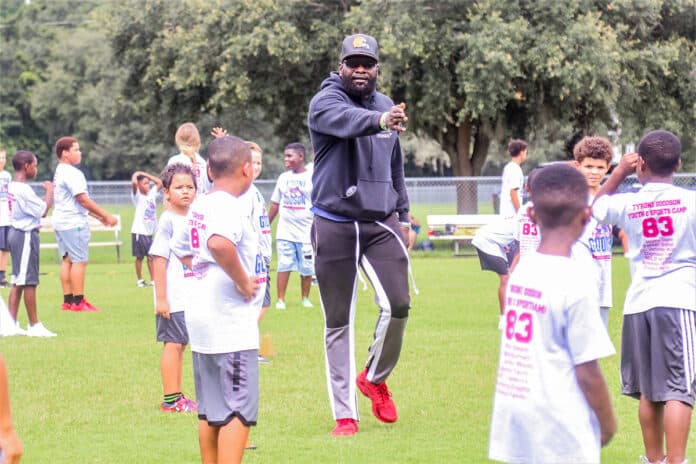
532	214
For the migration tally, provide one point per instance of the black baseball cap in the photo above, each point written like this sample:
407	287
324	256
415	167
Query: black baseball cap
360	45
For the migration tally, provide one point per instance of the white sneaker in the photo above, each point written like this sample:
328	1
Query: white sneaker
38	330
280	304
141	283
12	329
306	303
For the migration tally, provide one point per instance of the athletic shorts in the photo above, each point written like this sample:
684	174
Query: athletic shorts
227	386
172	330
24	251
74	243
658	355
295	256
4	231
267	295
140	244
496	263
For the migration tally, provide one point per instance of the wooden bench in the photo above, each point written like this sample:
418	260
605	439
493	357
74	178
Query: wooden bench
457	227
94	226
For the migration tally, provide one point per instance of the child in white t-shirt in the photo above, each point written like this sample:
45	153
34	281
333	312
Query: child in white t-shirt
23	239
173	285
144	220
659	323
71	206
188	140
593	157
513	179
291	201
551	402
223	250
5	217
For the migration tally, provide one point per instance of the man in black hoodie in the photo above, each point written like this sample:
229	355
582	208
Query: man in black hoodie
361	220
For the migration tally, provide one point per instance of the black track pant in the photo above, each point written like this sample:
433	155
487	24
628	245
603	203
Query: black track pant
377	247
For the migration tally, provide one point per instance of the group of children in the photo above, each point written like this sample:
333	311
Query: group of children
551	401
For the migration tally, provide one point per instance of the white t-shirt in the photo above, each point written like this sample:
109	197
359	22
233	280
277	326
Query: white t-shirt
200	170
259	219
494	237
5	212
552	324
26	206
67	212
179	277
526	232
660	222
513	179
596	243
145	217
293	193
221	321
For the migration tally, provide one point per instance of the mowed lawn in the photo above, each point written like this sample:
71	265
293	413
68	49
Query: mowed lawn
91	395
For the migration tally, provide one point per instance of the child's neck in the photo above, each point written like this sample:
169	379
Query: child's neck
556	242
20	176
234	186
179	209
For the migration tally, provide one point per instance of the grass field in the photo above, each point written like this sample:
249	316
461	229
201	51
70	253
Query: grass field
91	395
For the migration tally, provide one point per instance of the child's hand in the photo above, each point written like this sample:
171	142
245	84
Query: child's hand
109	220
249	288
627	164
162	309
218	132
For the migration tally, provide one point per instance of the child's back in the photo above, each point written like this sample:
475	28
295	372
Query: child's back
660	221
222	321
552	324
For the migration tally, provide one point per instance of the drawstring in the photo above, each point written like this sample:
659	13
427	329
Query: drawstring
357	256
408	259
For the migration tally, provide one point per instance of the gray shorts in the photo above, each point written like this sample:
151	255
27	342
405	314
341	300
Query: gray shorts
227	386
140	245
4	231
172	330
24	251
496	263
658	358
74	243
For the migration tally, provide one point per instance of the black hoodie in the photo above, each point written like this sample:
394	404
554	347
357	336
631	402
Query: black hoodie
358	168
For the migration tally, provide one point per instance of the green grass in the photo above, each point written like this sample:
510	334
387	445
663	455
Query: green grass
91	395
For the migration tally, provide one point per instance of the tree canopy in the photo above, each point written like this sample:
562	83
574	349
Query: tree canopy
121	76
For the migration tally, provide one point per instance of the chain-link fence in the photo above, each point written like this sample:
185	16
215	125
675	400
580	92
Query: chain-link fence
431	195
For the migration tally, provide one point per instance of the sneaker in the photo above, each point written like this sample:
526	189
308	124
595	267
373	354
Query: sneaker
192	404
38	330
84	307
280	304
263	360
11	330
5	284
383	407
183	404
66	307
141	283
306	303
150	284
345	427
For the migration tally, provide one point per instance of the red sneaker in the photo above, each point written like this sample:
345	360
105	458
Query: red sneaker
83	307
345	427
383	407
66	307
181	405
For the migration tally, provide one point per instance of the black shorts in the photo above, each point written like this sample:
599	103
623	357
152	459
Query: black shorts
496	263
24	251
140	244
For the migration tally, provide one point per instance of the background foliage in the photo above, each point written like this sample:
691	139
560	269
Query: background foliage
121	76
